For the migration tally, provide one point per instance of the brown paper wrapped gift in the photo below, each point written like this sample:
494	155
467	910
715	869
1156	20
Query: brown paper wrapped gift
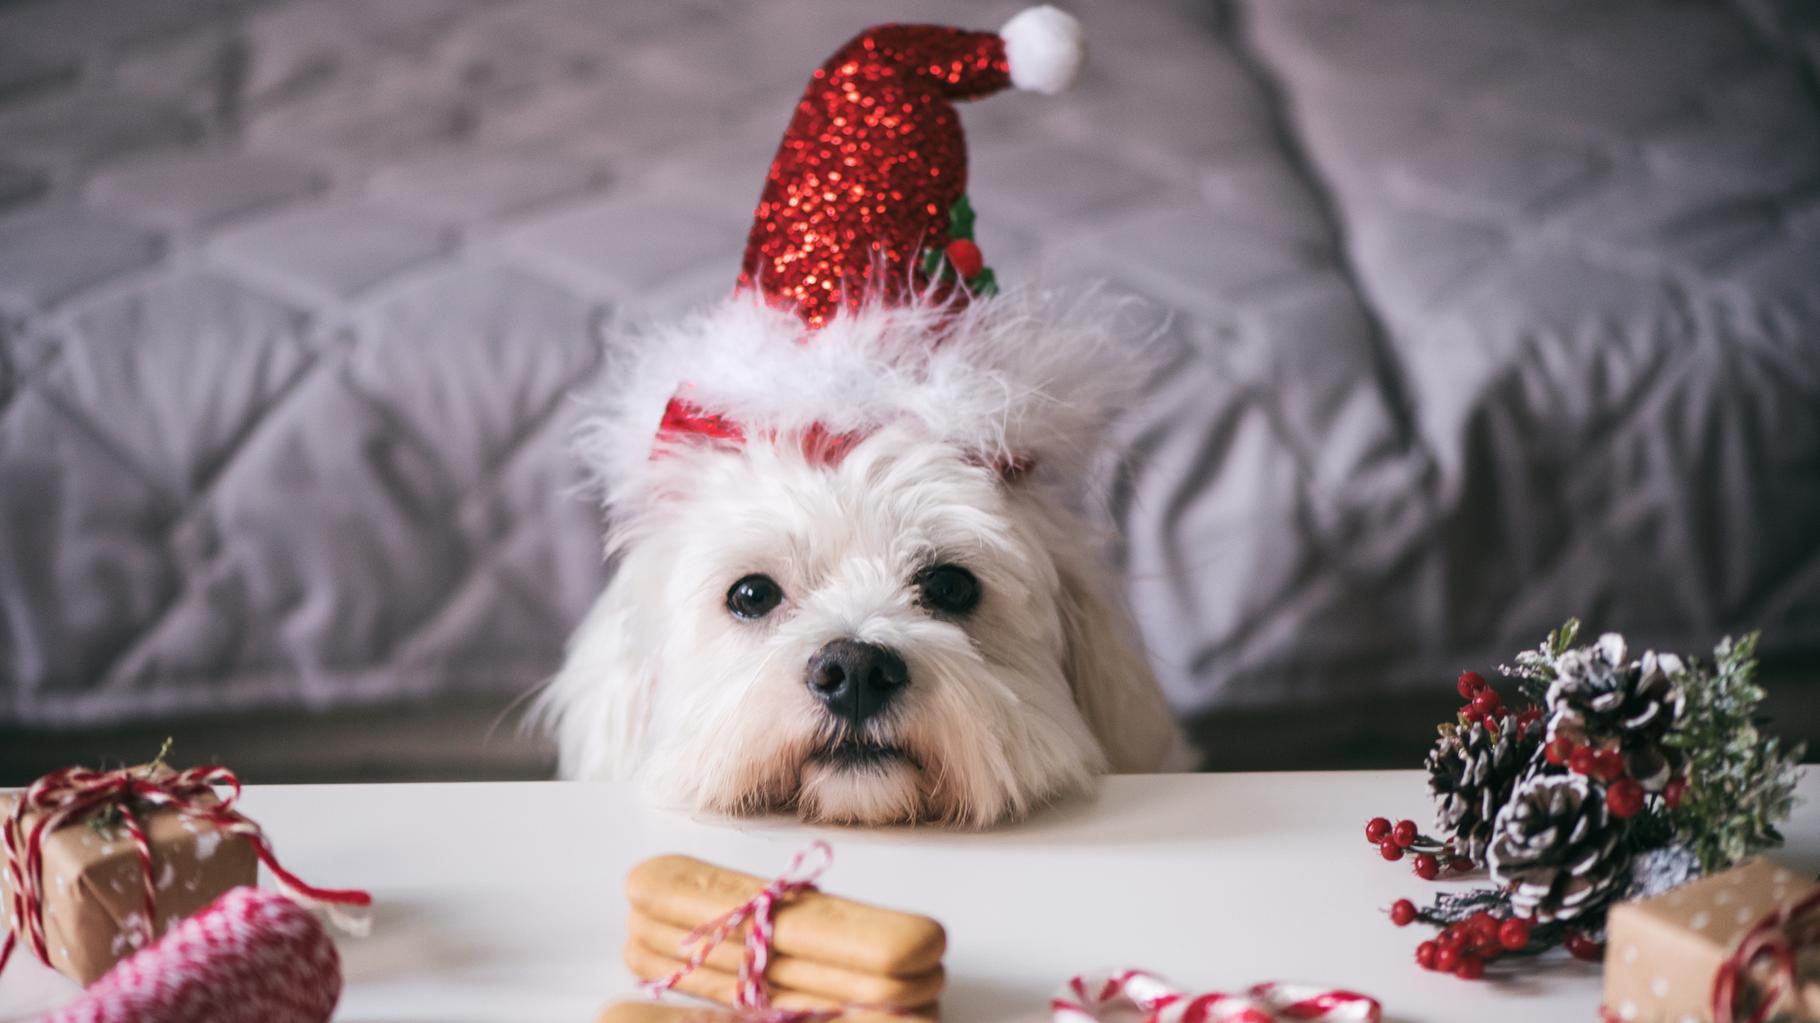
94	892
1663	954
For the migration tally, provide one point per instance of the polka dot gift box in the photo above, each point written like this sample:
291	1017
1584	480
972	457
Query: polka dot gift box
1740	946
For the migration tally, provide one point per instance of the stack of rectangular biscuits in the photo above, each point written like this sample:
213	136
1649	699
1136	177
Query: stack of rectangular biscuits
827	952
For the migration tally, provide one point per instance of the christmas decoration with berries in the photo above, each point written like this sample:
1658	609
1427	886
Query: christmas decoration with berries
961	257
1616	778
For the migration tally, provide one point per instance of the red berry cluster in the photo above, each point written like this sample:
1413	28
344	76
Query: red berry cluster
1623	794
1485	707
1433	855
1580	946
1463	948
1430	855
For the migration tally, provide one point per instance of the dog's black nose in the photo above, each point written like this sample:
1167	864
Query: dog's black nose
856	680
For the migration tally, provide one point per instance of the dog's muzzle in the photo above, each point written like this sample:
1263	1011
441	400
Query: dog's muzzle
856	680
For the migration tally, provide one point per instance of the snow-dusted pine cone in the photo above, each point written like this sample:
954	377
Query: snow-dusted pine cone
1555	845
1602	698
1471	772
1659	870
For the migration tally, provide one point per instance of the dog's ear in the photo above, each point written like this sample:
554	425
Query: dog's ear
1112	681
599	704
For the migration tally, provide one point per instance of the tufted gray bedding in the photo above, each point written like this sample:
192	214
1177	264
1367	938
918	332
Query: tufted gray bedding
1483	314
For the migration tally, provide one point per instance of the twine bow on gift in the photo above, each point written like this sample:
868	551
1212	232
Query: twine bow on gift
1089	998
66	796
1775	941
751	1000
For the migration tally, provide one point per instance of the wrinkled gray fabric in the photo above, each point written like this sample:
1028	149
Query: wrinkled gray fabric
1482	315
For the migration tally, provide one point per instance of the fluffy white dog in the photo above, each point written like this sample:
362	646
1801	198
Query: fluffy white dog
905	633
852	580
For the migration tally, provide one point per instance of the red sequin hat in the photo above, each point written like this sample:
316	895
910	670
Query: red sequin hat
874	163
866	200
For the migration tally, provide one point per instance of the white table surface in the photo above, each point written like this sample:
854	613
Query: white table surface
501	902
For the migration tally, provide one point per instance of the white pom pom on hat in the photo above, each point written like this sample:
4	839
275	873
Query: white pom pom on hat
1045	47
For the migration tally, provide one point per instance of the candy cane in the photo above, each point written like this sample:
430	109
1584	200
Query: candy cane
1103	997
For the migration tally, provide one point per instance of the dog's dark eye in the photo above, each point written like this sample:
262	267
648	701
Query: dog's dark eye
949	589
754	596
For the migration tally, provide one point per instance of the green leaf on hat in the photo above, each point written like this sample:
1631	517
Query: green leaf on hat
960	219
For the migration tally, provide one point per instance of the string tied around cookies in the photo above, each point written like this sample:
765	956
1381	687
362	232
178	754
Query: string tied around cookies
1115	994
70	794
1761	969
752	1000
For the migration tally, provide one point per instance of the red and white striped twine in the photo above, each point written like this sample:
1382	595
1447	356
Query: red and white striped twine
65	796
1776	941
252	956
1101	997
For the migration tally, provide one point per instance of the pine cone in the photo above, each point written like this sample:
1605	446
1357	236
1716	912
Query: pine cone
1659	870
1554	845
1601	698
1471	772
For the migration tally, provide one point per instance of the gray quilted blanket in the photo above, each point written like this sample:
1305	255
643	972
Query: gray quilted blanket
1483	314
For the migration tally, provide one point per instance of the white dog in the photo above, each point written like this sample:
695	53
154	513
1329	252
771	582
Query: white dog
903	634
852	580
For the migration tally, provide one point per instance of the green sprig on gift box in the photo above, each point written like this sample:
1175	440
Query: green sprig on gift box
107	820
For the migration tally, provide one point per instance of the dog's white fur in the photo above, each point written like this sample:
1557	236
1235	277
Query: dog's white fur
1024	700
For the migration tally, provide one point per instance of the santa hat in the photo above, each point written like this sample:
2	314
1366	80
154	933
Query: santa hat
867	193
863	300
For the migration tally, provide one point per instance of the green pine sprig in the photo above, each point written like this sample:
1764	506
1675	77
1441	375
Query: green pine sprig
108	820
1535	669
1741	779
